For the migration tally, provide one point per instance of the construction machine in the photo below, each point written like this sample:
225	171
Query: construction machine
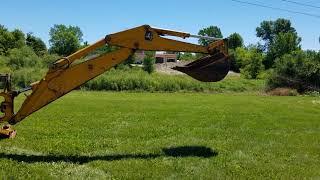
67	73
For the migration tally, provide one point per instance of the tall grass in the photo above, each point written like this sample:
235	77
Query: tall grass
137	80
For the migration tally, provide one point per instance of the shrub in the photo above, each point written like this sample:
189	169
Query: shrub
299	70
3	65
233	63
313	93
264	74
249	61
254	66
186	56
24	77
48	59
23	57
283	92
148	63
238	57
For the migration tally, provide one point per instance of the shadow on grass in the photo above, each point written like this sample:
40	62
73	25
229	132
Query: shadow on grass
183	151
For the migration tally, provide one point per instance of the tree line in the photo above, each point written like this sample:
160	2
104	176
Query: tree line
27	56
277	57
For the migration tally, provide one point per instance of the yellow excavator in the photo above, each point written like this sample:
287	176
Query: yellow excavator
66	73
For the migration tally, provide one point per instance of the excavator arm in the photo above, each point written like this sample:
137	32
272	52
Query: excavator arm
65	74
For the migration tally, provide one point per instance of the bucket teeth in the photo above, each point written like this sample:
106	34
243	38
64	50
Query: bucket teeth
210	68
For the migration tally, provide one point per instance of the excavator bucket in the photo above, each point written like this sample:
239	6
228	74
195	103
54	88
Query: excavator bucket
211	68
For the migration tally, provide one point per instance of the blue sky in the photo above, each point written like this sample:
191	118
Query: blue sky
96	18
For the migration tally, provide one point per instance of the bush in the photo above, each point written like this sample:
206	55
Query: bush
233	63
254	67
25	66
249	61
283	92
240	56
3	66
186	56
299	70
23	57
148	63
313	93
24	77
264	74
48	59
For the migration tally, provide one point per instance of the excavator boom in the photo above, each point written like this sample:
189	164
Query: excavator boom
65	75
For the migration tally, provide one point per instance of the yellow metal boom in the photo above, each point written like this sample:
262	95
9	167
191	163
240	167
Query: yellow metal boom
65	75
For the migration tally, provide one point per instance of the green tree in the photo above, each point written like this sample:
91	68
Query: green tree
10	40
280	38
38	46
235	40
283	43
65	40
148	62
212	31
299	70
268	30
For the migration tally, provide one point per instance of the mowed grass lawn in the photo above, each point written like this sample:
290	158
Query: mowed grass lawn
167	135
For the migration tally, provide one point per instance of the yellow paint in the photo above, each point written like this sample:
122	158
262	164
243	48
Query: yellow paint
64	76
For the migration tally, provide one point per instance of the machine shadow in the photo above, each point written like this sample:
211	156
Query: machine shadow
183	151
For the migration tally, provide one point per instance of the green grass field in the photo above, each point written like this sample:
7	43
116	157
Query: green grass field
167	135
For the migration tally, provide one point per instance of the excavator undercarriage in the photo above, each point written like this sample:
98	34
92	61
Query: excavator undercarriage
66	74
